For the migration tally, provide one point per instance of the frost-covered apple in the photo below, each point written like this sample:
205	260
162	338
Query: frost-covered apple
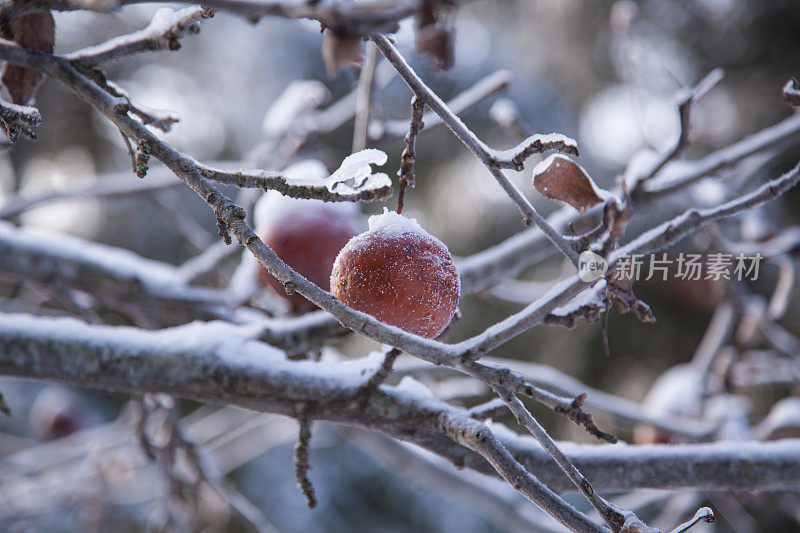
399	274
55	413
307	235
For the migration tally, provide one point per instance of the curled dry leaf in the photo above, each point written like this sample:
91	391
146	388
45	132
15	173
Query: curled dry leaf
34	31
560	178
340	50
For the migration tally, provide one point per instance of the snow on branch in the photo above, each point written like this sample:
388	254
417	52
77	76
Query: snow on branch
360	18
163	33
18	121
127	282
535	144
353	181
217	363
688	97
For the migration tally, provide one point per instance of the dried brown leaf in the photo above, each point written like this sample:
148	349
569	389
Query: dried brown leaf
340	50
34	31
560	178
438	43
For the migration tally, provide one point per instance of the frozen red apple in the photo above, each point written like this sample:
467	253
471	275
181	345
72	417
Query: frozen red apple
55	413
400	274
307	235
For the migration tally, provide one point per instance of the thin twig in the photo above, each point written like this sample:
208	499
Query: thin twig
381	374
206	262
477	437
610	514
463	101
408	157
688	99
180	221
704	514
162	33
131	152
674	177
506	378
116	186
302	456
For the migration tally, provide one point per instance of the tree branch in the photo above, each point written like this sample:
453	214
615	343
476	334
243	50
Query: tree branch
214	364
688	99
358	18
611	515
18	120
162	33
678	175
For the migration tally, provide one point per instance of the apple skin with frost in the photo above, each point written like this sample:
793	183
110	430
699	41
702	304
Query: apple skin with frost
399	274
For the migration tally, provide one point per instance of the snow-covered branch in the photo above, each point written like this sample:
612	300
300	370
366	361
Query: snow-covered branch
18	121
222	364
353	181
163	33
361	18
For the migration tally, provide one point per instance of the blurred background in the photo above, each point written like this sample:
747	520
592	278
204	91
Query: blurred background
605	73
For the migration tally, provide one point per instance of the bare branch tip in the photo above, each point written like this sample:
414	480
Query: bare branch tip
704	514
302	457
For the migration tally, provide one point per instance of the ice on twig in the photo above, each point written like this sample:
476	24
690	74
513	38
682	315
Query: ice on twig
535	144
274	206
353	175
